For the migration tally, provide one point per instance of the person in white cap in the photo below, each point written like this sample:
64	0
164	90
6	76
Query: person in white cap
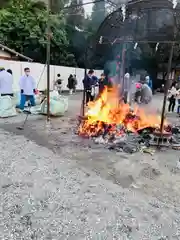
6	83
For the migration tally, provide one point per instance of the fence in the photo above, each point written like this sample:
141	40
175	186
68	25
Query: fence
39	70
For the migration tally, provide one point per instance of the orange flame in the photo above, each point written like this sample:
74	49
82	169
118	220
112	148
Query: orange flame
107	110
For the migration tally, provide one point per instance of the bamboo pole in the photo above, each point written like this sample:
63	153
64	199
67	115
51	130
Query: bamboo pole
48	49
122	70
85	76
167	85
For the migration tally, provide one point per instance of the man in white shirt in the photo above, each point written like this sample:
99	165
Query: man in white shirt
27	85
6	83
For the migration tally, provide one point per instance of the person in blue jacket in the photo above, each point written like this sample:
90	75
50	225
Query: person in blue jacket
88	82
149	82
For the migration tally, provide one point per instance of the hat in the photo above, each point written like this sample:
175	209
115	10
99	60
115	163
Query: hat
138	85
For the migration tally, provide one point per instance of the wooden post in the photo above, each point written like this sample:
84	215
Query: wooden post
122	70
84	91
48	60
167	85
84	94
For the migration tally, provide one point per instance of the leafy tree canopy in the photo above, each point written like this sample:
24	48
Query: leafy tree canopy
23	28
98	14
75	15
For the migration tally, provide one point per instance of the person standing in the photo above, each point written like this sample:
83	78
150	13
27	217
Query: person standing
88	83
6	83
75	83
146	93
58	84
101	84
71	83
94	85
172	94
28	89
149	82
178	101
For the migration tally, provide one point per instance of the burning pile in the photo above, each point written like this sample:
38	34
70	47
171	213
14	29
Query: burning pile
114	123
109	118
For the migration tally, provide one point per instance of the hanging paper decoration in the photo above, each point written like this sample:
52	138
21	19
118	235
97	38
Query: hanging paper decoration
174	3
123	9
100	40
113	41
135	45
157	45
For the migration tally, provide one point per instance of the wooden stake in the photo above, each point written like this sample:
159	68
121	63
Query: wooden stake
167	85
84	91
48	60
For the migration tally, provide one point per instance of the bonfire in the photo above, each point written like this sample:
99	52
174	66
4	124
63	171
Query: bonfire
107	116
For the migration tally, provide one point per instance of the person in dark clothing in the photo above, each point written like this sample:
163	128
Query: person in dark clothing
101	83
71	83
75	83
172	94
88	83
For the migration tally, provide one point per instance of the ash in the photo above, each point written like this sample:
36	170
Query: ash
123	140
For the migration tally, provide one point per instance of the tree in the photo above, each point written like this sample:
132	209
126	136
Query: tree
58	5
75	15
75	20
98	14
23	28
4	3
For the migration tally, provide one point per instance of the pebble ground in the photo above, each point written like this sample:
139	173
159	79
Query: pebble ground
76	192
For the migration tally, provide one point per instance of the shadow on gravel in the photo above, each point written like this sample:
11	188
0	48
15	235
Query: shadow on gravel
28	132
61	140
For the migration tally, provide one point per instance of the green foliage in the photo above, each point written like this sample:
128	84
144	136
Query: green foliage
57	5
23	25
75	19
4	3
23	28
75	15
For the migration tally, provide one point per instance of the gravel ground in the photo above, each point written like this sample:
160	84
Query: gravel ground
56	186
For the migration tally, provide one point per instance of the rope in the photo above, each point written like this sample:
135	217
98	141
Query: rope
41	74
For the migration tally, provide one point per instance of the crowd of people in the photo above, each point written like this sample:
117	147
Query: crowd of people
72	83
142	92
27	86
92	85
174	98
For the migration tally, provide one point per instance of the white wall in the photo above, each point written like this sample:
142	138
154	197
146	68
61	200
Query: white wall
39	70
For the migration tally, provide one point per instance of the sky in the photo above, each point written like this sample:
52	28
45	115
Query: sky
88	7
